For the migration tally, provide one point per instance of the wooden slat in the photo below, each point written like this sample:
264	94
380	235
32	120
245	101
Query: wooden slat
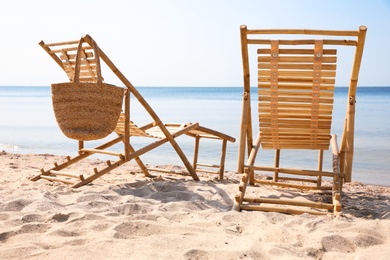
305	42
295	138
169	171
318	205
297	59
298	80
67	174
293	135
293	171
297	141
296	121
298	179
51	178
298	51
266	105
208	165
308	66
72	56
207	171
91	61
293	93
287	86
294	185
289	113
90	150
297	132
285	210
296	99
299	122
302	145
69	48
303	31
297	146
296	73
293	108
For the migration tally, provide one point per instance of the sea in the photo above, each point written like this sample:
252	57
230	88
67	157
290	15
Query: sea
28	125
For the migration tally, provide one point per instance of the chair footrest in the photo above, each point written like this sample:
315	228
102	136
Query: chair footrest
207	171
168	171
208	165
282	210
311	204
66	174
52	178
90	150
297	179
291	185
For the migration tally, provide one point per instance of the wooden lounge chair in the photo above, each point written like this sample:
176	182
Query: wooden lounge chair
296	71
64	54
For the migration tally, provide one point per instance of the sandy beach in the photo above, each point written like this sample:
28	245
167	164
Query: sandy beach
123	215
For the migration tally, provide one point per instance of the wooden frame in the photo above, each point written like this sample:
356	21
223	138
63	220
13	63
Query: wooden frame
63	55
283	69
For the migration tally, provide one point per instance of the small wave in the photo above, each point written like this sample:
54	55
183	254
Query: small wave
9	147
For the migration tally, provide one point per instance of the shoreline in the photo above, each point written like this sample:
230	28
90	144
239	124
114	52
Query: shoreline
124	215
62	156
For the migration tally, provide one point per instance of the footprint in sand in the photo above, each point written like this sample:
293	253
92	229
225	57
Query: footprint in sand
96	197
59	217
366	240
4	216
28	228
195	254
338	244
131	209
87	217
138	229
16	205
33	218
66	233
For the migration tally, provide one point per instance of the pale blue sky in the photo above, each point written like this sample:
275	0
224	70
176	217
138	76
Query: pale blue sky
177	42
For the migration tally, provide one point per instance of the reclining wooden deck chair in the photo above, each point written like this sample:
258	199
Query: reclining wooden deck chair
74	100
296	71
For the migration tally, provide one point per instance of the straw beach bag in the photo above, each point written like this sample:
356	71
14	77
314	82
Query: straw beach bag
87	110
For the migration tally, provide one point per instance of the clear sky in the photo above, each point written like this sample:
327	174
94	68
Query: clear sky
176	42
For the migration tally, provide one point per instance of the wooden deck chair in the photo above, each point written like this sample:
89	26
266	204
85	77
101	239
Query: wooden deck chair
296	71
65	55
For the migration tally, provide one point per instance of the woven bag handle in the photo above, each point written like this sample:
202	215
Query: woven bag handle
76	77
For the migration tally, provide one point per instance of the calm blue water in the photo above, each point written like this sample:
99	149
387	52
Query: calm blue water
27	125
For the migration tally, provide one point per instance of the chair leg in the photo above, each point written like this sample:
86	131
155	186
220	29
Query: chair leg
336	203
81	144
138	160
196	152
184	159
276	164
320	165
337	179
222	161
241	191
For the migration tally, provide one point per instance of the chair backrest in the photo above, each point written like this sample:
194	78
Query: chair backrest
64	53
295	88
296	71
